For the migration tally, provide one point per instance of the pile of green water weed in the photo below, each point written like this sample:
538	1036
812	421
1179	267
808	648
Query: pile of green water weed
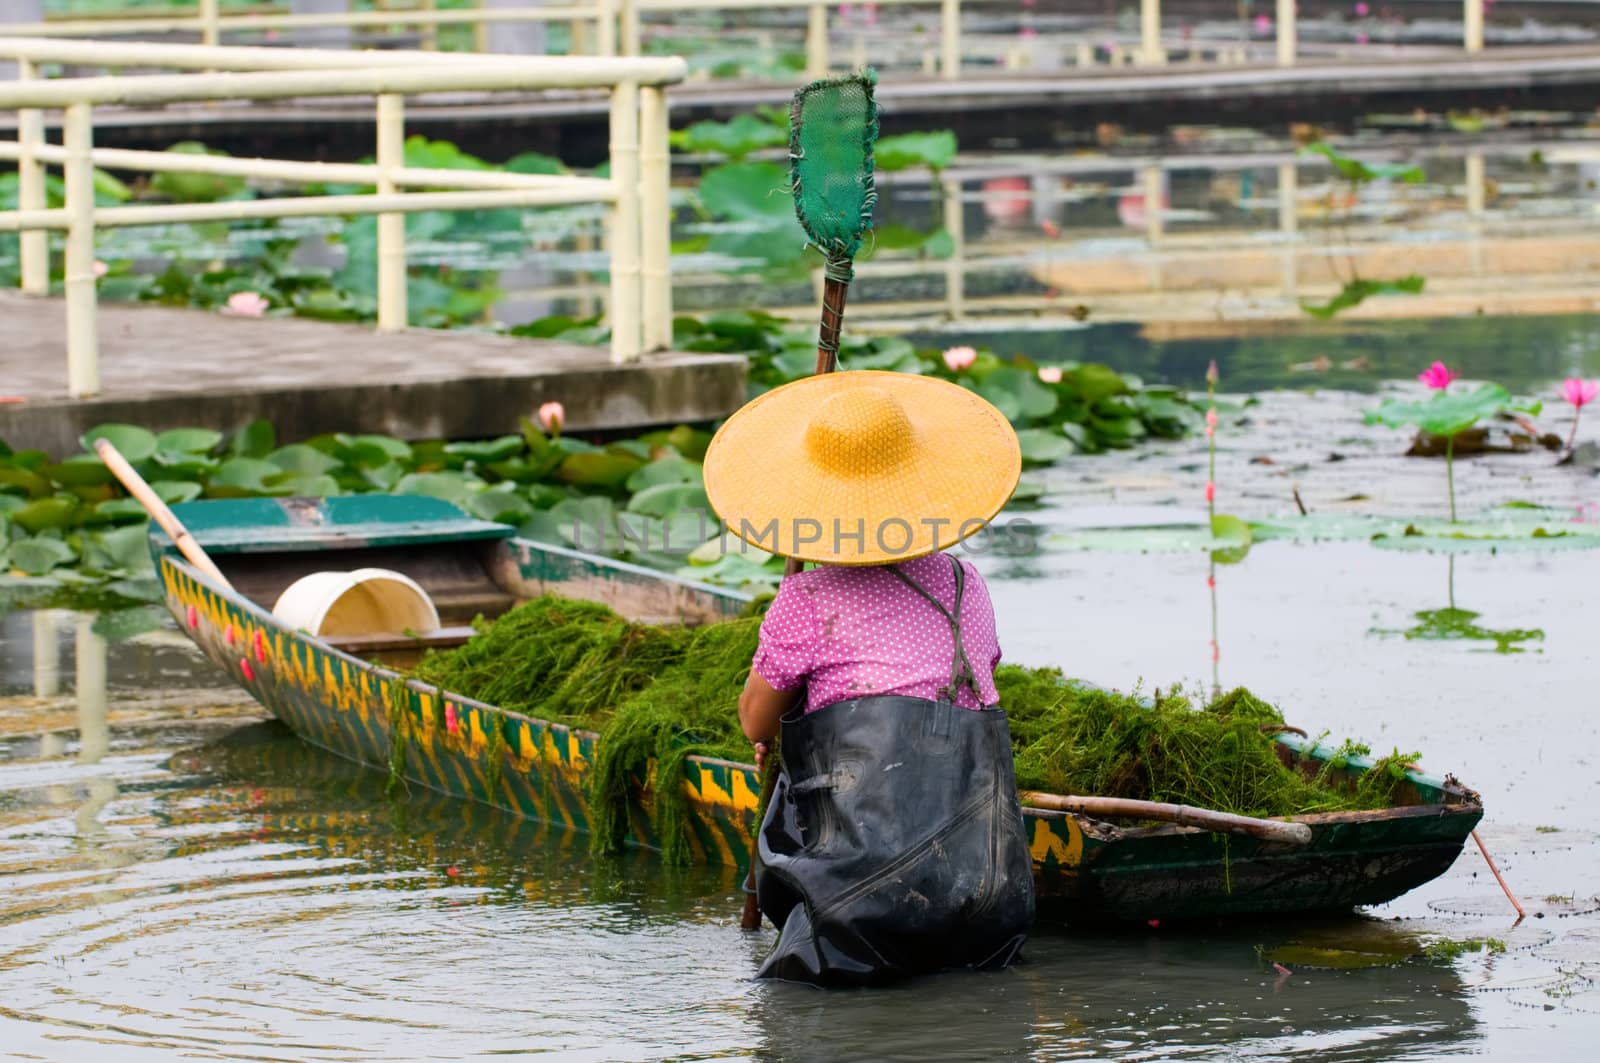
658	694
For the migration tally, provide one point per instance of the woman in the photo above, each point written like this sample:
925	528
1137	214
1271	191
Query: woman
893	844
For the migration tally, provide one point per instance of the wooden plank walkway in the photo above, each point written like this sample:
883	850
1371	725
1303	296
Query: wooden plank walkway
168	368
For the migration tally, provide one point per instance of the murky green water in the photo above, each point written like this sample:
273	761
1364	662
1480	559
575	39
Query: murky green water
183	880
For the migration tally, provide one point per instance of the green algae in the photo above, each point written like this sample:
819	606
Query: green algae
657	694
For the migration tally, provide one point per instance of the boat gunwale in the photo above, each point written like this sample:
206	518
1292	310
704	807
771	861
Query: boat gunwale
1468	802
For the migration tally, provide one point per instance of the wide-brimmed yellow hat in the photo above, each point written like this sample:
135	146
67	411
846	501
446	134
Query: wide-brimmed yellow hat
862	467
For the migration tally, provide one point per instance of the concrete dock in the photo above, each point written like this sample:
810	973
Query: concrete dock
169	368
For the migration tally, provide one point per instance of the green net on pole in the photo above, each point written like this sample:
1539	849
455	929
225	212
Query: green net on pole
833	124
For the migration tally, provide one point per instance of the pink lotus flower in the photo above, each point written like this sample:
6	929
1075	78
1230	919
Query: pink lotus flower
1263	24
1362	10
1438	376
1050	374
1212	375
247	304
1027	33
552	415
1211	491
1211	417
1580	392
1362	38
100	269
959	358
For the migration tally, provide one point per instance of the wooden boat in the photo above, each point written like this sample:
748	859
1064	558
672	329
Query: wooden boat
337	694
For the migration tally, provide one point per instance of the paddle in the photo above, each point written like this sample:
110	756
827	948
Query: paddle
1269	830
833	124
146	497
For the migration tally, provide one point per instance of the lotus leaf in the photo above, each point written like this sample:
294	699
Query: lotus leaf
1447	413
38	556
663	500
303	460
1232	536
750	191
500	505
188	440
245	478
454	487
1040	446
255	440
134	443
598	469
44	514
127	623
935	149
80	470
665	471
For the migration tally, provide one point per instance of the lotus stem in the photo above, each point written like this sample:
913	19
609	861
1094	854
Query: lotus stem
1572	437
1450	473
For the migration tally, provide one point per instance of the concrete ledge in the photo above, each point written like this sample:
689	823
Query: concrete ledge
165	368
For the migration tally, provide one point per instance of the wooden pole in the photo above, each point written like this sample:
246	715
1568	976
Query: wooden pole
83	340
164	517
1490	861
210	29
1471	25
1288	33
817	60
1270	830
949	39
35	243
1150	51
392	310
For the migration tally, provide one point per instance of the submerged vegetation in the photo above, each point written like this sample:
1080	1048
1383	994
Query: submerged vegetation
659	694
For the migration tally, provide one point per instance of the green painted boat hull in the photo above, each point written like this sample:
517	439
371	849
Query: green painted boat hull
426	737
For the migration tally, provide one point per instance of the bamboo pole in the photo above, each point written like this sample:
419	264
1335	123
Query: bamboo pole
1288	33
83	343
605	34
35	245
1270	830
950	39
817	61
164	517
628	19
655	188
625	223
334	206
392	316
210	30
1471	25
1150	50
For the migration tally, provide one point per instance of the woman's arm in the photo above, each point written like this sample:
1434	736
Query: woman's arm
760	707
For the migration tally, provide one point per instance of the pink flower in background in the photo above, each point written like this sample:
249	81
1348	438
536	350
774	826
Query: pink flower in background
100	269
1029	3
1212	373
1438	376
1211	421
1027	32
959	358
871	13
1362	38
1263	24
1580	392
1362	10
845	9
1050	374
1050	228
247	304
552	415
1211	491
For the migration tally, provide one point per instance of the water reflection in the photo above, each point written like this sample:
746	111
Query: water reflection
1454	624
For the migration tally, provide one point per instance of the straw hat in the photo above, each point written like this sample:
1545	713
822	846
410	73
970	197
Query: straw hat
862	467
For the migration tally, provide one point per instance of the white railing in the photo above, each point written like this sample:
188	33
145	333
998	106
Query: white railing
617	26
637	191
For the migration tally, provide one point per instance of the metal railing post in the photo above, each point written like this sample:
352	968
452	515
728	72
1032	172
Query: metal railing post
950	39
392	313
817	61
1472	25
625	219
210	29
83	341
628	17
655	202
605	27
1477	197
1153	182
1150	51
35	243
1288	33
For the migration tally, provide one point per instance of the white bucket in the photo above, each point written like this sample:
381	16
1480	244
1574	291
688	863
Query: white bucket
364	602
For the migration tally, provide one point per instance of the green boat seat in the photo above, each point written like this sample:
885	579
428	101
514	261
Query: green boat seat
297	525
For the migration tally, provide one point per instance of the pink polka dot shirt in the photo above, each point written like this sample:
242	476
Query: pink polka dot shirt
854	632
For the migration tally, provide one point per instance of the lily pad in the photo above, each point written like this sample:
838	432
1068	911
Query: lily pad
598	469
665	471
43	514
1447	413
38	556
1041	446
244	478
665	499
454	487
303	460
80	470
489	450
1233	539
123	624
